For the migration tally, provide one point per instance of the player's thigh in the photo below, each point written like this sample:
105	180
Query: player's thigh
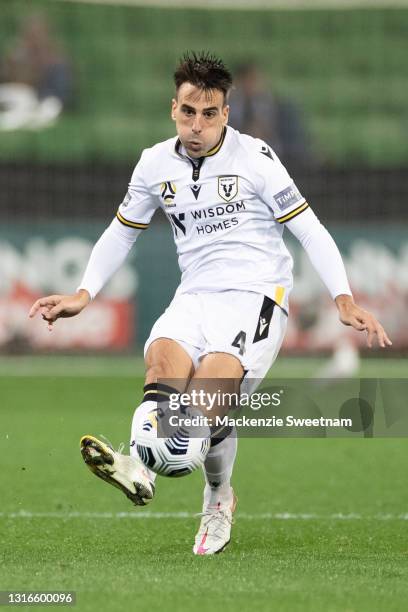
218	377
172	349
219	365
166	360
245	325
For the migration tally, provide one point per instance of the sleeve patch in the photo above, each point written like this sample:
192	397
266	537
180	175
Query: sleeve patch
126	201
288	197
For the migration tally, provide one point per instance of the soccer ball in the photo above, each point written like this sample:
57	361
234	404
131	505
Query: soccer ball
174	456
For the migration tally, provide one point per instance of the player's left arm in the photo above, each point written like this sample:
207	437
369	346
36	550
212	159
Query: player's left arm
276	188
327	261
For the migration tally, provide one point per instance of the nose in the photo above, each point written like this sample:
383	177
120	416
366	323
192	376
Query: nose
196	127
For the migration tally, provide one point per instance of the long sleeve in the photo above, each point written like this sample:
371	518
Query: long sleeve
107	256
322	251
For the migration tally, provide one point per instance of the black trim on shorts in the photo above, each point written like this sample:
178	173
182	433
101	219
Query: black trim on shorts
264	319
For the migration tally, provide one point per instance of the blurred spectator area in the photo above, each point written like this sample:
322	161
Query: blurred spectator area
258	110
344	69
35	77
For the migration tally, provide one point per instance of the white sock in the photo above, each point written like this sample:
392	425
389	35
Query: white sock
218	470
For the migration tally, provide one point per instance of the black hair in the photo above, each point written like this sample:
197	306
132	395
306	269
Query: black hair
205	71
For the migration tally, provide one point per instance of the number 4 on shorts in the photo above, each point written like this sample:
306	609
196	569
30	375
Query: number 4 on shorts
239	342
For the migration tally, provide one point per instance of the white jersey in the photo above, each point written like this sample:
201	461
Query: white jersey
226	210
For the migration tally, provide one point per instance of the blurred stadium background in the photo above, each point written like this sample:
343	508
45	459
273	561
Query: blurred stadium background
320	523
343	64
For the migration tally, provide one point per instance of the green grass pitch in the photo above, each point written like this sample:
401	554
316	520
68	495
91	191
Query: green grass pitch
320	524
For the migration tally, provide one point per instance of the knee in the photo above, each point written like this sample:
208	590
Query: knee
157	371
160	368
165	359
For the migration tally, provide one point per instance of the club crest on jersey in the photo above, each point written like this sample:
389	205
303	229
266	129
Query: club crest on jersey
168	193
228	187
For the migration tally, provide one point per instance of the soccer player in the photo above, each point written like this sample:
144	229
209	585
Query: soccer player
227	198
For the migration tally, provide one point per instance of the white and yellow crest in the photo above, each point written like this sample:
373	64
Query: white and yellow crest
168	193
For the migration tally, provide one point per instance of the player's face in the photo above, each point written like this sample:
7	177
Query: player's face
200	117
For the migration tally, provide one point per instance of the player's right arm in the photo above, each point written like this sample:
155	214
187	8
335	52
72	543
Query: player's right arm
108	254
53	307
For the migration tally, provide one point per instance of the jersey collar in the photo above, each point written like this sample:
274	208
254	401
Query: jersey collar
210	153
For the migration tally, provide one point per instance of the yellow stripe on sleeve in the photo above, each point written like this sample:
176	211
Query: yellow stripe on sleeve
293	213
135	224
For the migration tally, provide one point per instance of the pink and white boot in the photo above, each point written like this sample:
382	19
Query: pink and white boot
214	532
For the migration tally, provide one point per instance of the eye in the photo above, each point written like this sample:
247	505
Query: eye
188	111
210	114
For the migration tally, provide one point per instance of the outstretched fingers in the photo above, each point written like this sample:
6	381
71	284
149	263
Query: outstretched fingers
43	303
49	307
365	321
376	329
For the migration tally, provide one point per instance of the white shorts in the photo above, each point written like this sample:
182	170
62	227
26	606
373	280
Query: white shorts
248	325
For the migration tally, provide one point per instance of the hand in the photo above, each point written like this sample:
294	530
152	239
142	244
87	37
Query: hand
351	314
54	307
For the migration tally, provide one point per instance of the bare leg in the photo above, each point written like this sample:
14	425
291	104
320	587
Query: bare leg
166	359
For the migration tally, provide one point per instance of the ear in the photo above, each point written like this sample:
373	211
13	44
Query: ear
225	113
173	109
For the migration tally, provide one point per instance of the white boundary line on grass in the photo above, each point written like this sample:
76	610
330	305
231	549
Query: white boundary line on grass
146	514
254	4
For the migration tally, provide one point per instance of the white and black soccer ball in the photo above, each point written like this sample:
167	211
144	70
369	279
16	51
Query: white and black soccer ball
175	456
